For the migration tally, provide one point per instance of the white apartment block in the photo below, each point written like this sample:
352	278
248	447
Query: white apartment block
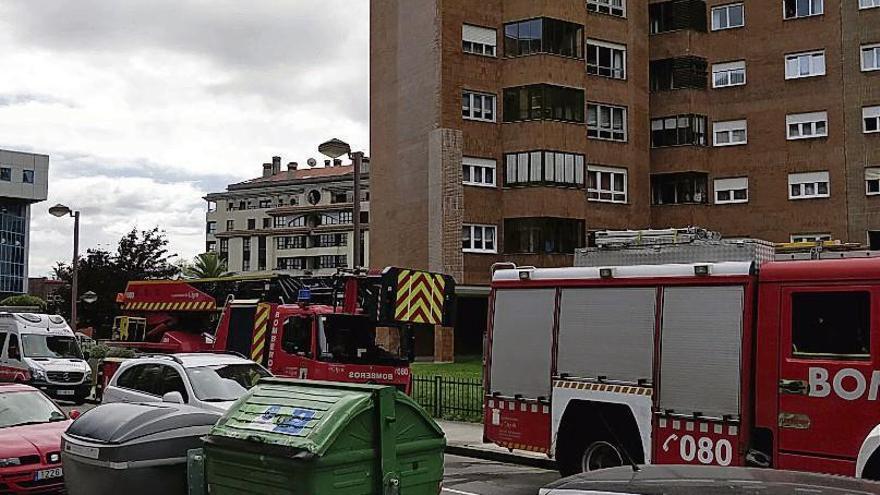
297	220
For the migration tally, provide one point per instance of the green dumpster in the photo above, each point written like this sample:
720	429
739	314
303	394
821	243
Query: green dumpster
315	438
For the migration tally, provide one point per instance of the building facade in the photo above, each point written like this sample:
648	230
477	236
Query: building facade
297	220
24	180
508	130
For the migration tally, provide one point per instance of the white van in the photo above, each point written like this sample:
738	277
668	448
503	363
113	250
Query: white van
42	351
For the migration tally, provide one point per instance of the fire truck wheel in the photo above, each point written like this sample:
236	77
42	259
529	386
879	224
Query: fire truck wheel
600	455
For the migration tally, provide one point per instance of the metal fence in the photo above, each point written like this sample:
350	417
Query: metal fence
459	399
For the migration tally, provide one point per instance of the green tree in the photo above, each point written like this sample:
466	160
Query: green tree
140	255
26	301
206	265
97	273
144	255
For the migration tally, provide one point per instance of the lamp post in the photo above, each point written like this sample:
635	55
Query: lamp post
334	149
59	211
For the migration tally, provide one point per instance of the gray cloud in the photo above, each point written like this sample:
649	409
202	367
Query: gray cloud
146	105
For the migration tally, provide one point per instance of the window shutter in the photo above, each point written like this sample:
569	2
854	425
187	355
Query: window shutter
476	34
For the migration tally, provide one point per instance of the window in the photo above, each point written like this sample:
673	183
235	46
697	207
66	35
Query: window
291	263
871	117
543	102
27	176
261	253
606	184
13	349
677	14
679	73
871	57
224	247
679	188
728	16
479	239
246	254
543	235
171	381
831	325
265	203
331	261
610	7
142	378
478	40
730	133
807	125
341	197
729	74
729	191
210	246
297	336
606	59
544	168
868	4
267	223
297	242
478	171
230	206
807	64
808	185
543	35
679	130
802	8
252	224
872	181
6	174
478	106
230	225
331	240
211	228
810	237
606	122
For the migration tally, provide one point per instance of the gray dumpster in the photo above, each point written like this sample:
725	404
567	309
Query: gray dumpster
132	449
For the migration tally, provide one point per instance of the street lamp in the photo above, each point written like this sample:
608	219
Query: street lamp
334	149
59	211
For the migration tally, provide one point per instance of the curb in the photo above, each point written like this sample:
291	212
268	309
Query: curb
506	457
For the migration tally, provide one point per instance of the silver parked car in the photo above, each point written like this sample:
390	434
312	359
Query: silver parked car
205	380
706	480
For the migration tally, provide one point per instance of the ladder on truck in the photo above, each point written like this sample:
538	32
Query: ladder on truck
822	250
670	246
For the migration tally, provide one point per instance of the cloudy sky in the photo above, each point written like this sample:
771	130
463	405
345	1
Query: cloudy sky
146	105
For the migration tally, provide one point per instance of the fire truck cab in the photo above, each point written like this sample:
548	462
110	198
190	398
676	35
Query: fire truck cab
726	363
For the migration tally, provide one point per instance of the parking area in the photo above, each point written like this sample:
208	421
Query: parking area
467	476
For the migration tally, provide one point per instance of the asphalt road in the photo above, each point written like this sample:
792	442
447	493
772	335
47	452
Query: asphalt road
466	476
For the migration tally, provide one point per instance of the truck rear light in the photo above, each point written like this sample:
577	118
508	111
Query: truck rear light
525	275
701	270
606	272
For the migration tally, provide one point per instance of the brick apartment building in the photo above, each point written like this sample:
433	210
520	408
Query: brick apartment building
508	130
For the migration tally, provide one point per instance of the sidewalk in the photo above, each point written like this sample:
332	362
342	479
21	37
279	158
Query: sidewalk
466	439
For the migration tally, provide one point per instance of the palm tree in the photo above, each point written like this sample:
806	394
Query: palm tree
206	265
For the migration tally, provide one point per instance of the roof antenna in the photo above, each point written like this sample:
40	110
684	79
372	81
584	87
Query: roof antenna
629	459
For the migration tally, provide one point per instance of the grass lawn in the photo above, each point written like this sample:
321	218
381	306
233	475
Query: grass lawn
463	367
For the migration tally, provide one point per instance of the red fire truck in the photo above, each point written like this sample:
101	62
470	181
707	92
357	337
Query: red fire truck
730	363
356	326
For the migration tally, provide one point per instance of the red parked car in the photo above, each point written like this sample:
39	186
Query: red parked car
30	441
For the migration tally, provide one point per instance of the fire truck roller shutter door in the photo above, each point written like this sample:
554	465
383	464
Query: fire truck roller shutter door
607	332
701	347
522	339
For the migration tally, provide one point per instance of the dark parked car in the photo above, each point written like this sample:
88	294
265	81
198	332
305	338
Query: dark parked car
707	480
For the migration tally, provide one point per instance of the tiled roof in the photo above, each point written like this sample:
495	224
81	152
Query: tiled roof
302	174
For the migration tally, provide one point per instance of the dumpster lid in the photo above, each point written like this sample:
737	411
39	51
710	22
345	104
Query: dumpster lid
301	415
123	422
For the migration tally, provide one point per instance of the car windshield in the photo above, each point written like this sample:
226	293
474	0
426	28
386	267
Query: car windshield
50	346
24	408
226	382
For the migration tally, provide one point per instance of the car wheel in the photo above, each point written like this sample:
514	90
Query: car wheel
600	455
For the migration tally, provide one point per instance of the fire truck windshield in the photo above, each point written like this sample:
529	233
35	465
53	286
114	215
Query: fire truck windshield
353	339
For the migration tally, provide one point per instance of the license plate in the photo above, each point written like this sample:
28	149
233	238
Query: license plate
65	392
48	474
